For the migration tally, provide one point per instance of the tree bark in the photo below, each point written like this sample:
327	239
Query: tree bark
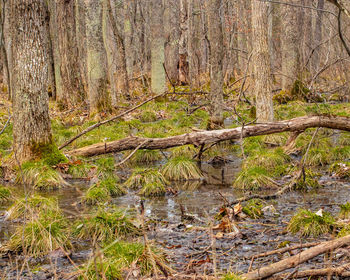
214	9
261	62
31	122
290	45
295	260
213	136
98	83
157	48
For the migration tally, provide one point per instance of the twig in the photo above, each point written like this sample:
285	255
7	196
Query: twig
6	124
109	120
132	153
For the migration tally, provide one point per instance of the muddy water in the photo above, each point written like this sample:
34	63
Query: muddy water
187	242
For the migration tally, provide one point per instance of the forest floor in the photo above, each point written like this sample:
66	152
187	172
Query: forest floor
169	201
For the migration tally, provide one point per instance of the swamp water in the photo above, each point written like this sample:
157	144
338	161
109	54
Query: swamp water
187	243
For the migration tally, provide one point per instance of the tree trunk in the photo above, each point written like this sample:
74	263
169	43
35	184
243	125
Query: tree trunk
157	48
290	45
71	92
214	9
31	122
122	72
98	84
318	35
213	136
261	62
183	43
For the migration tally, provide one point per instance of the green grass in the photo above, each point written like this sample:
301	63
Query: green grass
181	169
121	255
95	195
253	208
344	212
33	205
254	178
146	156
40	176
40	235
308	223
152	190
340	170
5	195
106	225
309	182
112	185
144	176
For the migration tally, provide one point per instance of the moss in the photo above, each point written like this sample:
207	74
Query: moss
106	225
253	208
5	195
181	169
49	154
308	223
344	231
105	165
148	116
254	178
232	276
40	235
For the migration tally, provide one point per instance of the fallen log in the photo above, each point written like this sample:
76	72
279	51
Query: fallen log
295	260
198	138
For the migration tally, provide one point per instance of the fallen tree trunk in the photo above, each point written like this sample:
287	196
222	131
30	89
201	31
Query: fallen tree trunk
198	138
295	260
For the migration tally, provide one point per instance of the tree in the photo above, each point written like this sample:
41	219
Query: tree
290	45
157	47
261	62
216	62
31	122
98	83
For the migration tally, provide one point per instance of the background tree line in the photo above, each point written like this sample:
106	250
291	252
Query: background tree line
92	53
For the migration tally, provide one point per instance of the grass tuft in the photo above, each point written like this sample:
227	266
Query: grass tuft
344	212
308	223
340	170
5	195
254	178
152	190
181	168
144	176
106	225
95	195
253	208
146	156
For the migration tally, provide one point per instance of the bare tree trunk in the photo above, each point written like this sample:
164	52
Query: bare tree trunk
183	43
214	9
31	122
318	35
157	47
171	18
290	45
7	50
194	14
122	79
71	90
98	83
261	62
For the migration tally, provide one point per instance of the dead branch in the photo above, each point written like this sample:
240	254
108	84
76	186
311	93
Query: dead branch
198	138
295	260
286	249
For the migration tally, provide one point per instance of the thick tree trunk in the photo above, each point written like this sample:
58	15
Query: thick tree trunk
318	35
98	84
157	48
290	45
214	10
183	43
31	122
261	62
213	136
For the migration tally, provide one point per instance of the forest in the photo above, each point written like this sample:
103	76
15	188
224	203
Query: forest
174	139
